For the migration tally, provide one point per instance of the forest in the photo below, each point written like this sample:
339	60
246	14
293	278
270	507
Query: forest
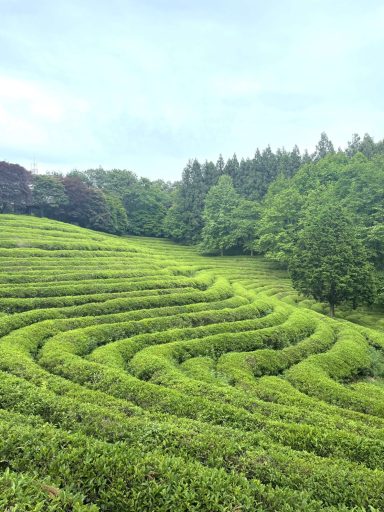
284	205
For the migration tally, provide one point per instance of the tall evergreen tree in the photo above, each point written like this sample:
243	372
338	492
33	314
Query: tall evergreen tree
306	159
368	146
232	167
220	164
243	181
295	162
184	220
269	163
324	147
353	145
254	176
210	174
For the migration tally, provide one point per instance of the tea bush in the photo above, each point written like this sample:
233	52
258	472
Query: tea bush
138	375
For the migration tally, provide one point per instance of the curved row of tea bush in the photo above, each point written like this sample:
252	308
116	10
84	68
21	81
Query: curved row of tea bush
137	375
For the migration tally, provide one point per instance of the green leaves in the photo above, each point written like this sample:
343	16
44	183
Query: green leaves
15	192
222	228
160	380
329	262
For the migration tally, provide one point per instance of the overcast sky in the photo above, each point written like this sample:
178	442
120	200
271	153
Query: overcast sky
146	85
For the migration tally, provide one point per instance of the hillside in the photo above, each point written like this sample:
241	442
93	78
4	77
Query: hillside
137	375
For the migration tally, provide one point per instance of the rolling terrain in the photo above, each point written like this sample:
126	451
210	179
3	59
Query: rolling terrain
138	375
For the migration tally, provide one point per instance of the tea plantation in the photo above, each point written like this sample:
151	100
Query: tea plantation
136	375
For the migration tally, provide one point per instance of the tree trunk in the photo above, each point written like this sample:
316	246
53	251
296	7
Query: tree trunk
331	310
251	252
221	252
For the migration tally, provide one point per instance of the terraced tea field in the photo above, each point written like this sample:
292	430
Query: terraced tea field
136	375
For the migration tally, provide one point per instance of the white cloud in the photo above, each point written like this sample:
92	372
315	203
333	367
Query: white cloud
147	85
30	99
32	114
14	130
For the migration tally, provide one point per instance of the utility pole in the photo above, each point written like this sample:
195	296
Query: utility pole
34	169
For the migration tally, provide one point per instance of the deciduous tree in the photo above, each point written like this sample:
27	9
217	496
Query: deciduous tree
221	224
15	191
48	194
329	262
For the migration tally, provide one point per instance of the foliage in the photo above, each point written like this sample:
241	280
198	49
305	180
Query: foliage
146	204
14	188
329	262
156	208
247	215
221	224
354	183
278	225
274	191
137	375
86	205
324	147
118	223
184	220
48	195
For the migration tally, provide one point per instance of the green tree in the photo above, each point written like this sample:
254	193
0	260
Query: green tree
221	224
368	146
288	163
184	220
329	262
324	147
211	174
118	219
220	164
232	167
87	206
48	194
278	225
354	145
255	175
114	181
306	158
147	203
247	215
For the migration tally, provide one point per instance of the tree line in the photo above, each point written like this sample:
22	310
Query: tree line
298	210
115	201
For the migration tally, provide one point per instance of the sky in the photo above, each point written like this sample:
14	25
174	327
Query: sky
146	85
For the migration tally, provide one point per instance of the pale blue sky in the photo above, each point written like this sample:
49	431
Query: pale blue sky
146	85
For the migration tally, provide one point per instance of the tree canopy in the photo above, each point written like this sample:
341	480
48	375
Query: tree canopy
255	205
329	261
15	188
221	222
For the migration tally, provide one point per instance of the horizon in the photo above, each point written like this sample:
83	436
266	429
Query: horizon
148	87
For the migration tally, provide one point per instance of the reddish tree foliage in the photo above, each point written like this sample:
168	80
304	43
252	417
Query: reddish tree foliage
15	188
86	206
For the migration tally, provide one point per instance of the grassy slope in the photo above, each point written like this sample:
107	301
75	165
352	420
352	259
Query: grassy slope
137	375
